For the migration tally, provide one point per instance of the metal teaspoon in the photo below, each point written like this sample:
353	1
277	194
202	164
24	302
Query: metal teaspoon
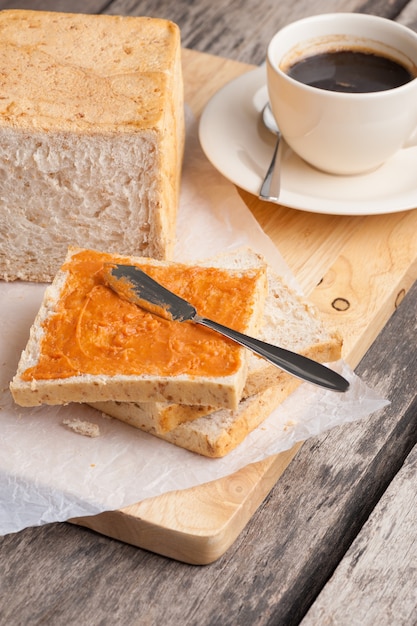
270	188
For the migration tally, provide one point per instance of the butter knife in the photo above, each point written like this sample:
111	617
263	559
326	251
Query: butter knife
134	285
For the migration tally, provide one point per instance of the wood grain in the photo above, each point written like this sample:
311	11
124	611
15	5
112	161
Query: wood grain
73	6
384	553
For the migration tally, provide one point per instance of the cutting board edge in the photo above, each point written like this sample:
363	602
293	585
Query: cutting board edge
193	545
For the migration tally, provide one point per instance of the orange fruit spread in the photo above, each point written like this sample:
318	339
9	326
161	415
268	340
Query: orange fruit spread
94	331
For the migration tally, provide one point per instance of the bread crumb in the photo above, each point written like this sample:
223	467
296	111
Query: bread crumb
88	429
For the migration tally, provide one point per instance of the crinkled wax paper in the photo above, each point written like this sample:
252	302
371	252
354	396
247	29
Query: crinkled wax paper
49	473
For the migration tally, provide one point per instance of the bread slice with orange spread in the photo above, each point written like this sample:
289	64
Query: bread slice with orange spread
289	321
89	345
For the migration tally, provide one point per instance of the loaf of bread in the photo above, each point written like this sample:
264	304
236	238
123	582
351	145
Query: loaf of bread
91	138
288	321
89	345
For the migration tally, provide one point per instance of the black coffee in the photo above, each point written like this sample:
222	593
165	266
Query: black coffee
350	71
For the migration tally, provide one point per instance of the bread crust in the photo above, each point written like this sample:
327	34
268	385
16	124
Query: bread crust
213	435
223	391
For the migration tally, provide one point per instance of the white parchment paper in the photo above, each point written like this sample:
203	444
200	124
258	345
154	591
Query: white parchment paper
49	473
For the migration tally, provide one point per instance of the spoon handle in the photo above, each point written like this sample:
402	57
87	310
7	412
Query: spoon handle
296	364
272	176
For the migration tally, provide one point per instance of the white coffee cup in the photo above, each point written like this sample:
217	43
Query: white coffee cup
343	133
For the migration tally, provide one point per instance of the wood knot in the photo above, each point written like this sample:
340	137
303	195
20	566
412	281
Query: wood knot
399	298
341	304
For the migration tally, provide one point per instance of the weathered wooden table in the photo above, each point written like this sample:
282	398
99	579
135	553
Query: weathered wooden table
333	542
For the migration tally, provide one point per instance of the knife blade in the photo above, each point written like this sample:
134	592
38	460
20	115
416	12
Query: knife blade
133	284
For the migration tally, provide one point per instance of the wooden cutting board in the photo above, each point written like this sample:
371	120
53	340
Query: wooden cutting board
355	269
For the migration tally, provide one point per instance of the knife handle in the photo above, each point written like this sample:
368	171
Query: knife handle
291	362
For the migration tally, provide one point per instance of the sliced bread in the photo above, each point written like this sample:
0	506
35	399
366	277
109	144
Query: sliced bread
213	435
288	321
89	345
91	137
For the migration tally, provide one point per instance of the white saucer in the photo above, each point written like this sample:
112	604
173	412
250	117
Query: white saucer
235	141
